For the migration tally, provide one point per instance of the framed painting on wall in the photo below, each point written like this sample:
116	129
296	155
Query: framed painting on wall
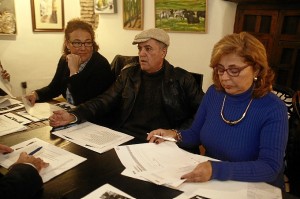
7	17
133	14
105	6
181	15
47	15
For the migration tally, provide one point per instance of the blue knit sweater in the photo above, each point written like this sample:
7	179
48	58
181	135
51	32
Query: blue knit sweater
252	150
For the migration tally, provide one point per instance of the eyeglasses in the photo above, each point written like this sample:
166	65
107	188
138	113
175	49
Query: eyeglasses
78	44
233	72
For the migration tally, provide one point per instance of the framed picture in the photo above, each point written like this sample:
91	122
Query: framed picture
181	15
47	15
7	17
133	14
105	6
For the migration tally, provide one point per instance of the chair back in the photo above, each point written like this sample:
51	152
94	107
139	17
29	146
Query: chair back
120	62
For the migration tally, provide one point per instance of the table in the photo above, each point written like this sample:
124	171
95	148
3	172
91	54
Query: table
96	171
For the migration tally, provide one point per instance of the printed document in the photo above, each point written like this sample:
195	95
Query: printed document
94	137
59	159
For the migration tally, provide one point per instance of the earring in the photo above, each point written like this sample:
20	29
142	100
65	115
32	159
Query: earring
255	79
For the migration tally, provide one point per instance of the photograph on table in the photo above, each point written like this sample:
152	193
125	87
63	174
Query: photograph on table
47	15
133	14
181	15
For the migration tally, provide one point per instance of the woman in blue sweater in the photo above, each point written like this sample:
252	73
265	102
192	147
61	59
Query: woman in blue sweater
240	121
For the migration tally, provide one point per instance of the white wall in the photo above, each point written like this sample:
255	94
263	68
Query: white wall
32	57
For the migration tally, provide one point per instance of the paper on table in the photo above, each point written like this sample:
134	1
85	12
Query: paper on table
17	118
8	126
59	159
40	110
94	137
107	191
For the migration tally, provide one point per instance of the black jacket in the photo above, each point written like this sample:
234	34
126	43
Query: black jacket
22	181
93	80
181	97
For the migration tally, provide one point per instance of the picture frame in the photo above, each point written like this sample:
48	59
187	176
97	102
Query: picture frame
133	14
8	24
105	6
47	15
181	15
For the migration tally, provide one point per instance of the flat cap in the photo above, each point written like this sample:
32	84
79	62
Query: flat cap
154	33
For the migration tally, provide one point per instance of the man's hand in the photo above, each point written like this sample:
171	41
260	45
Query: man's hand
38	163
5	149
61	118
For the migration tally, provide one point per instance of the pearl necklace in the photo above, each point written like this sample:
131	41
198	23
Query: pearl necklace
231	123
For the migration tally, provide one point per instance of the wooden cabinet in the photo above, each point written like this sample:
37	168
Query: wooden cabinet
277	26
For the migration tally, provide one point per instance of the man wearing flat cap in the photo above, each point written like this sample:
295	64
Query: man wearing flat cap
149	95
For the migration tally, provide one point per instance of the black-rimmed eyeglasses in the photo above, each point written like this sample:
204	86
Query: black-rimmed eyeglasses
78	44
233	72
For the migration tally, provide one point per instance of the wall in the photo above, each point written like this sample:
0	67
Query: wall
32	57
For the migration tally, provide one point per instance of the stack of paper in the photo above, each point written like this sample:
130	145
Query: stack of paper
59	159
165	163
154	163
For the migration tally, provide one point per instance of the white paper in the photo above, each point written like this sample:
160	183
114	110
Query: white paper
6	86
59	159
10	105
108	191
154	162
94	137
40	110
8	126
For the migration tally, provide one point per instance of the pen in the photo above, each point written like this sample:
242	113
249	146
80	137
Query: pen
62	127
35	150
165	138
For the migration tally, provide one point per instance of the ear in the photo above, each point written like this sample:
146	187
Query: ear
164	52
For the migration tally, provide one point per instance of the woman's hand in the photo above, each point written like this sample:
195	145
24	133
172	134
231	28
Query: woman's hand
61	118
32	97
5	75
201	173
161	132
74	62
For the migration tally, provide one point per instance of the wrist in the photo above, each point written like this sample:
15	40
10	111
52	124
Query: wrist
35	95
177	135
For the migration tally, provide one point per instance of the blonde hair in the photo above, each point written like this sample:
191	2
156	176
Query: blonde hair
253	51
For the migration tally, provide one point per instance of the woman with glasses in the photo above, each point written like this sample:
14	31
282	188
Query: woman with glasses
240	121
82	72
